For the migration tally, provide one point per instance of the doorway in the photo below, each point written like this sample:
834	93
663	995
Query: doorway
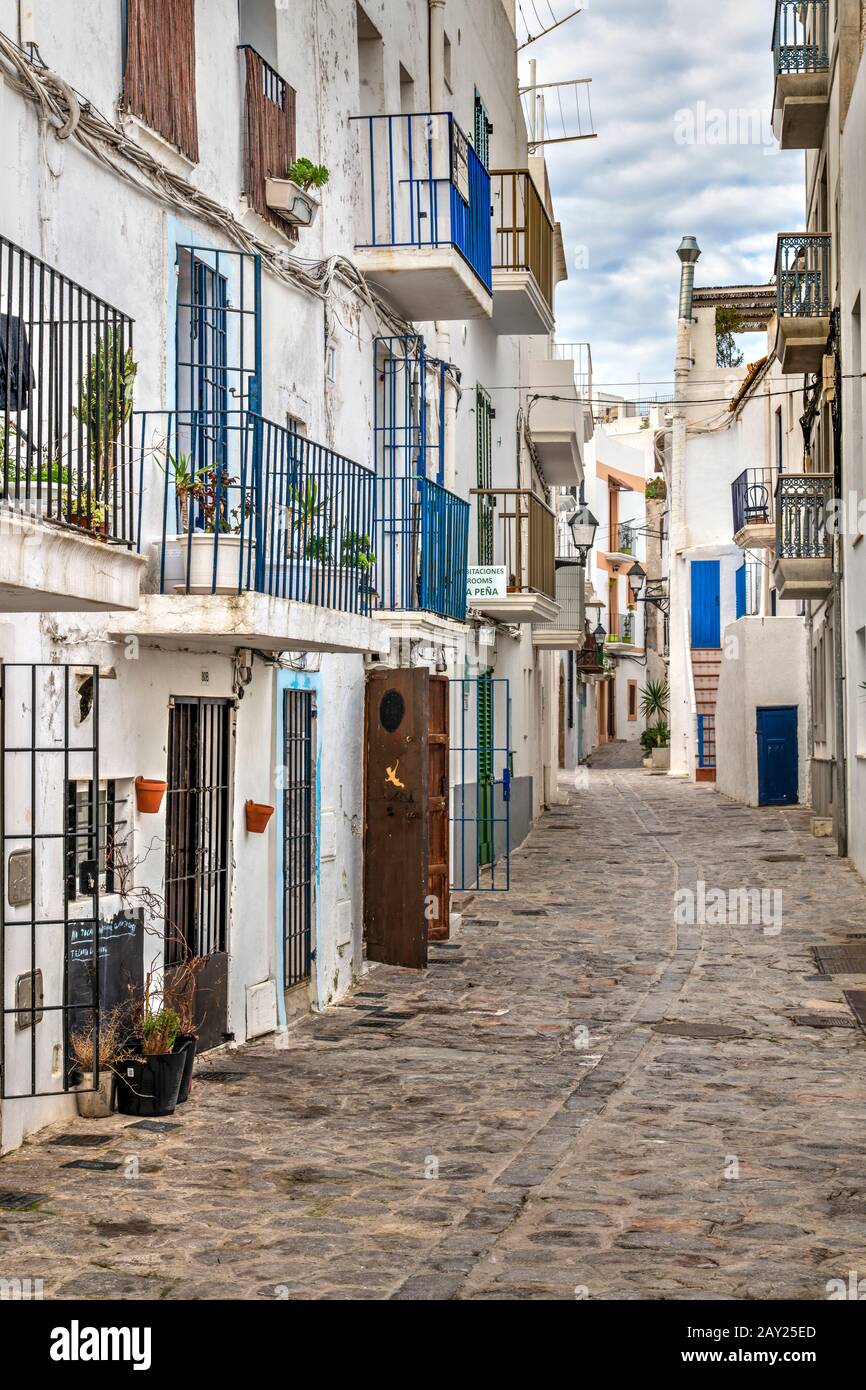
778	758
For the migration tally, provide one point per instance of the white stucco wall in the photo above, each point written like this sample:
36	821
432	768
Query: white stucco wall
765	663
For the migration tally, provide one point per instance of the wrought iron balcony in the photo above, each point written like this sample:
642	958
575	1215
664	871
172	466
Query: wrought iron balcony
422	540
249	507
625	634
523	255
803	300
567	630
67	374
800	36
590	660
802	66
623	539
804	535
425	236
752	499
516	533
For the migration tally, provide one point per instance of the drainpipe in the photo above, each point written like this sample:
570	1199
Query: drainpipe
682	732
437	55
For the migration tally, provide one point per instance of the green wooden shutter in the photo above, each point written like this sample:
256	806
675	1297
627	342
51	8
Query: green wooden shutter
484	473
485	770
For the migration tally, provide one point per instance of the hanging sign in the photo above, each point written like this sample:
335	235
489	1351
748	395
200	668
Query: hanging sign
486	581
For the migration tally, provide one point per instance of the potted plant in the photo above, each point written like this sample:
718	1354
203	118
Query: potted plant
213	552
661	754
311	544
96	1101
105	399
654	707
149	1078
356	554
291	196
179	994
90	516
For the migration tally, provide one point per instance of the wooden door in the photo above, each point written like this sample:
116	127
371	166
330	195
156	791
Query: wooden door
438	887
397	815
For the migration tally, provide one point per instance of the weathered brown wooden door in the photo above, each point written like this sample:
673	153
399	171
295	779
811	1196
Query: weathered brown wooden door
439	882
397	817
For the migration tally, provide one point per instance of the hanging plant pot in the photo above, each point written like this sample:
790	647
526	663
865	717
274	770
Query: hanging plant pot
258	817
148	795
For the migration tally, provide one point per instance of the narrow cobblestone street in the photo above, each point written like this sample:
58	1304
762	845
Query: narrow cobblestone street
522	1122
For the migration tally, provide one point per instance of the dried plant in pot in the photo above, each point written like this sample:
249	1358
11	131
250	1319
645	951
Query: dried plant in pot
148	1081
179	994
95	1095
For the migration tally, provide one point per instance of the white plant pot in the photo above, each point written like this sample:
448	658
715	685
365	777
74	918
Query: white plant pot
662	758
98	1104
198	552
294	205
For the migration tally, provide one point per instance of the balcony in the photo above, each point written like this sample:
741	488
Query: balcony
269	140
523	239
802	67
567	631
623	542
803	301
556	420
425	238
422	541
752	497
804	537
67	374
580	356
624	639
266	537
516	542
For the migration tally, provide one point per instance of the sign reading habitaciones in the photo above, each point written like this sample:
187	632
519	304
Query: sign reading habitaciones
486	581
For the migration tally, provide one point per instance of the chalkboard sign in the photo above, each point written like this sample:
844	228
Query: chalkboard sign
116	966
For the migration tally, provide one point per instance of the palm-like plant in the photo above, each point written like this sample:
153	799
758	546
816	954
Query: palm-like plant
654	701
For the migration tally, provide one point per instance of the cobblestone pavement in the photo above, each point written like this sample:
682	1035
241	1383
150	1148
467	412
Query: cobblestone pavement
516	1123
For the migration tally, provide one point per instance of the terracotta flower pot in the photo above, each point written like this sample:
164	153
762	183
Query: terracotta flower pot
258	817
148	795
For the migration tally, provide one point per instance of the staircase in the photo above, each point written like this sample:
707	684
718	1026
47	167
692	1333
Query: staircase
706	664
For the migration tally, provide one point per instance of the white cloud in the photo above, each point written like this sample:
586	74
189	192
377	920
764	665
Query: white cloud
630	195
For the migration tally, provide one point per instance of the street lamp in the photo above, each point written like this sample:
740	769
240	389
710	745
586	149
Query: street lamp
600	636
636	578
583	526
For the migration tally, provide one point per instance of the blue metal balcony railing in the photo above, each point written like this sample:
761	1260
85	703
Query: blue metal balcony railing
752	498
249	506
422	543
804	530
425	187
800	36
803	275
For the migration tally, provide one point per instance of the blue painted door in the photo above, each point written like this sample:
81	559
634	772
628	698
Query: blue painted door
778	770
706	607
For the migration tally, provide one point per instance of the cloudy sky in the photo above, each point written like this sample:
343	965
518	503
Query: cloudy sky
663	72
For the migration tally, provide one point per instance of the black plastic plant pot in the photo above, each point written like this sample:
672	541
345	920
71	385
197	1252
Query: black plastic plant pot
186	1044
149	1085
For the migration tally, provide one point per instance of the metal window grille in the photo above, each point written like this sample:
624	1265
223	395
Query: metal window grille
482	130
299	799
480	782
197	829
44	750
66	393
93	836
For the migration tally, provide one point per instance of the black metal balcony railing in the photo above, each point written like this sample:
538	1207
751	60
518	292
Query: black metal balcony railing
590	657
752	498
803	528
517	530
522	229
803	275
67	373
251	507
800	36
626	629
623	538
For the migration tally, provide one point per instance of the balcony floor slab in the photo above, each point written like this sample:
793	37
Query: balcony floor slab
801	344
756	535
803	578
529	607
800	109
426	282
519	307
218	622
550	640
45	569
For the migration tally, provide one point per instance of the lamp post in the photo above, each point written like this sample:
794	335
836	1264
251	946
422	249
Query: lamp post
636	580
583	526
